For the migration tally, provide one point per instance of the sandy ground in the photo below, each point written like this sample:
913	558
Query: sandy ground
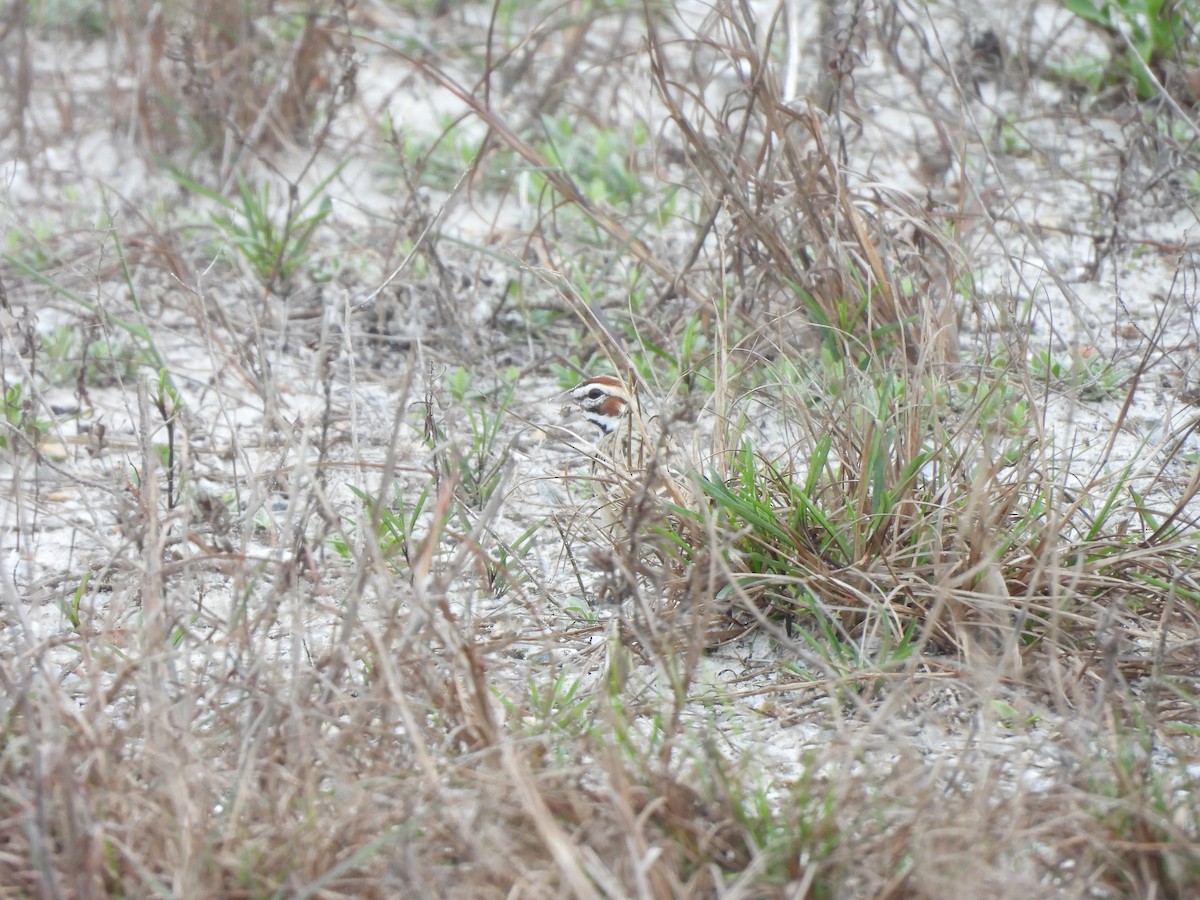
290	404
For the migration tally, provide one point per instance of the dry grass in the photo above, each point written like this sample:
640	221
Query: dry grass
299	594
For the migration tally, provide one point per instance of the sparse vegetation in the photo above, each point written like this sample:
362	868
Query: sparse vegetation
300	591
19	418
1149	38
273	243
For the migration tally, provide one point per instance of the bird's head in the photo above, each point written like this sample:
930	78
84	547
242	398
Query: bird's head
604	401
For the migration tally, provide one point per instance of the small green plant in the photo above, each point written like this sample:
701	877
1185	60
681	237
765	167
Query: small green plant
568	376
805	826
30	241
687	360
439	158
847	327
397	524
558	706
506	570
1089	72
556	710
71	357
1156	31
1011	717
71	606
14	412
84	19
598	161
168	403
274	247
479	467
993	399
1012	139
18	417
1093	376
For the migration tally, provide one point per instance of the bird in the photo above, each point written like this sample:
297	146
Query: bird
633	467
608	404
645	486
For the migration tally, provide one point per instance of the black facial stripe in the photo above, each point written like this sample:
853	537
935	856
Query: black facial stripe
604	423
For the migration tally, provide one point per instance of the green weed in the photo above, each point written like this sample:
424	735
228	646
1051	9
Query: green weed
1156	31
480	464
597	160
506	569
396	528
1092	376
82	18
274	245
19	417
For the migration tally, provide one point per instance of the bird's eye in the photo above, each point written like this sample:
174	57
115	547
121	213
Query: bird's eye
595	393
